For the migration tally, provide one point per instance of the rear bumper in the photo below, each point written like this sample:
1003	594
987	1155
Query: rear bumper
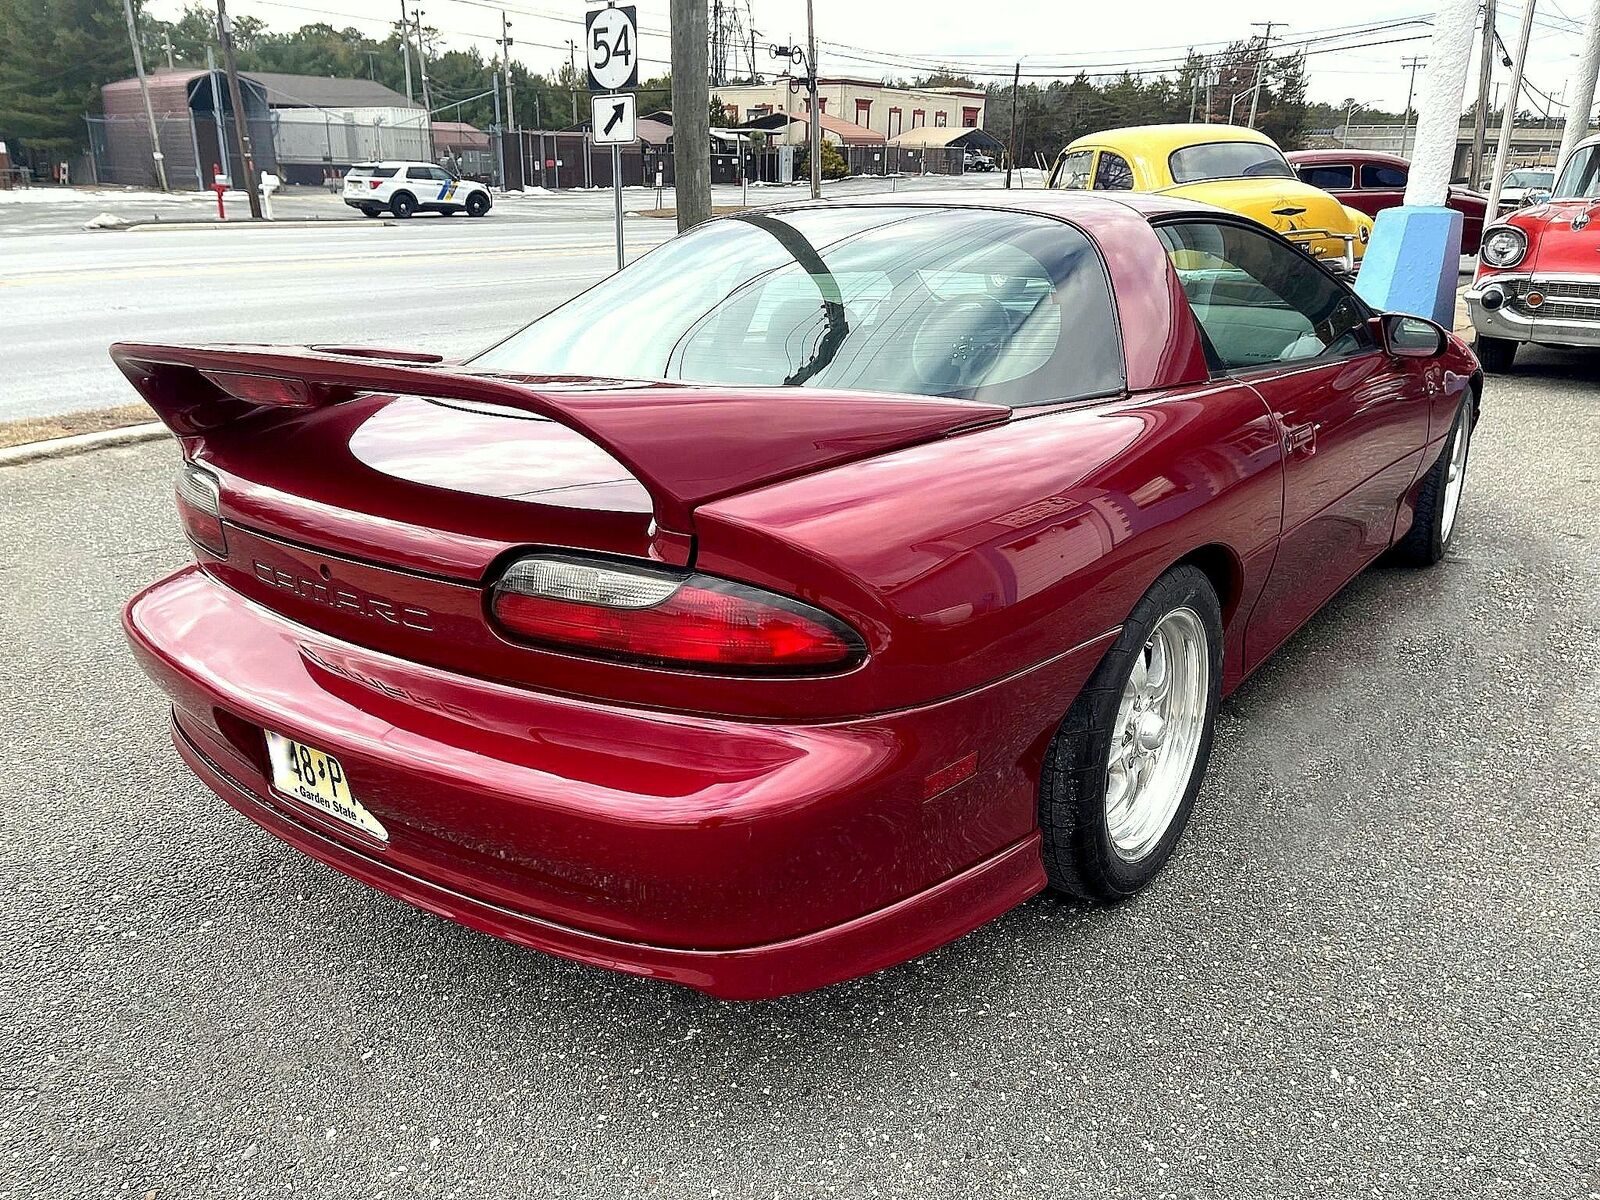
745	860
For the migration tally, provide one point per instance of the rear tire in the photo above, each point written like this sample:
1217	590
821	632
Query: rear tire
403	205
1439	498
477	204
1496	354
368	210
1110	756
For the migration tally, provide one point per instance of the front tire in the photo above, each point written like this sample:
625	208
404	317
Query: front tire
369	210
1125	766
1496	354
1439	498
477	204
403	205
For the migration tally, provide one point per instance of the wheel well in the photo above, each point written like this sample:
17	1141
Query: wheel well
1221	566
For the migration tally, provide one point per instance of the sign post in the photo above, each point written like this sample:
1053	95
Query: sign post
611	43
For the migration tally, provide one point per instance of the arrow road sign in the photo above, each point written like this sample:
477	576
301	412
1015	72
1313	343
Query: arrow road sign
612	43
615	119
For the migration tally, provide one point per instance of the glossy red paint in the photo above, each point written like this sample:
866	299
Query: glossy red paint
748	836
1383	185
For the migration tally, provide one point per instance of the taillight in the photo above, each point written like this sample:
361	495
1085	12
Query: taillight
651	613
200	508
373	183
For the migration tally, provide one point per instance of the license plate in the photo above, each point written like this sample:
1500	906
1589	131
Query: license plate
315	778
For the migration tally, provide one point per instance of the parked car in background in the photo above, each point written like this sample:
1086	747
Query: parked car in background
1538	278
1525	185
890	570
977	160
404	188
1226	165
1371	182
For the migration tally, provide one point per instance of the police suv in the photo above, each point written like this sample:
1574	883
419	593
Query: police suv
403	188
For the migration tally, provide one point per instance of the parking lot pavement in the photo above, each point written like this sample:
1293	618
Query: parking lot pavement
1372	969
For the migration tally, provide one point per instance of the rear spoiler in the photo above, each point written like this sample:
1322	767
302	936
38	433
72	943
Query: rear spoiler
686	444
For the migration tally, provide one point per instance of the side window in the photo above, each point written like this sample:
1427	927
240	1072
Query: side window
1072	170
1377	175
1330	177
1112	173
1260	301
440	175
418	173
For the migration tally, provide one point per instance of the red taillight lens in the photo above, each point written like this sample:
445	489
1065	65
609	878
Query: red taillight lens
200	508
655	614
373	183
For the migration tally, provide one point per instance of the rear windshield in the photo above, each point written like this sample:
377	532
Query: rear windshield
1228	160
968	303
374	172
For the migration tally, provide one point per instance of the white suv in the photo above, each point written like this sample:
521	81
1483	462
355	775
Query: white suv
407	187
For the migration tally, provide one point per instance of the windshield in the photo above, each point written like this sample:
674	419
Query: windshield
1580	180
968	303
1530	179
1228	160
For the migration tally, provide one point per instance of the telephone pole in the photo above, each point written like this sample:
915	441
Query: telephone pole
1480	110
241	126
1508	114
1412	64
144	90
422	69
405	49
814	125
1011	148
166	38
1261	66
691	113
511	108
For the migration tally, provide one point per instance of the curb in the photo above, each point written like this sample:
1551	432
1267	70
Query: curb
81	443
292	223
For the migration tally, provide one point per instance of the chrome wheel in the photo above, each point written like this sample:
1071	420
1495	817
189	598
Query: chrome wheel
1455	473
1157	734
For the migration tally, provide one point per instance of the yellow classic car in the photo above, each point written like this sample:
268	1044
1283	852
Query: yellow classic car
1227	165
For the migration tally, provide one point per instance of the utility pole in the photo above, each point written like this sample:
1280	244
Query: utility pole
1194	87
1412	64
511	107
1011	139
241	126
572	96
405	48
166	38
1582	104
422	68
216	111
814	125
691	113
1480	110
1261	67
144	90
1508	115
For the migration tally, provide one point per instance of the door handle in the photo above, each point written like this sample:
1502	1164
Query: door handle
1300	439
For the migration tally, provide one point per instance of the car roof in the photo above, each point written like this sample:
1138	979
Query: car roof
1162	140
393	162
1347	156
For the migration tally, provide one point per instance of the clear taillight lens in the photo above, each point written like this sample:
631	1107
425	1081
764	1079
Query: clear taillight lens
648	613
200	507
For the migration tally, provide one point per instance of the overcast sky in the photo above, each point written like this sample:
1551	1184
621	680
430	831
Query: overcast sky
905	37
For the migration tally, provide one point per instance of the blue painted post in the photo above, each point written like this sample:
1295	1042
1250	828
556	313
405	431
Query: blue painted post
1414	260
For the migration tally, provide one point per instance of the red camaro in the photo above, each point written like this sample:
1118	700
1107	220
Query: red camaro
804	595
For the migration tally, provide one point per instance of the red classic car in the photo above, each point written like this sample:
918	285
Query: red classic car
821	585
1371	182
1538	274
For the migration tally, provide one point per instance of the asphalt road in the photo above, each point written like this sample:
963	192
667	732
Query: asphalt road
1372	969
450	285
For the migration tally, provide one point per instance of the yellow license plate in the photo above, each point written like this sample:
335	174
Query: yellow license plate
315	778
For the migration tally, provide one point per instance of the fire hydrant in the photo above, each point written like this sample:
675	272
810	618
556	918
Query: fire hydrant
219	184
269	184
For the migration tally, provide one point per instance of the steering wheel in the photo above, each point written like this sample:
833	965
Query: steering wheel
959	342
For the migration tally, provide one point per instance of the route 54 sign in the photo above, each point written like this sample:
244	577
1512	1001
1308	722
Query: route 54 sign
612	42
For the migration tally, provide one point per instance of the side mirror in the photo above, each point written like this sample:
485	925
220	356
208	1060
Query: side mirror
1405	336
